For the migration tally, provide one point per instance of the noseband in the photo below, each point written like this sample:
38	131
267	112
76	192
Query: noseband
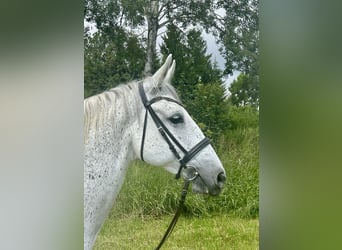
166	134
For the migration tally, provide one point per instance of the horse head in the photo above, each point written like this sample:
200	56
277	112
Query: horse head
166	135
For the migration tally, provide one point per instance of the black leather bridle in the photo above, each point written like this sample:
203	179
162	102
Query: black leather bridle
166	134
171	140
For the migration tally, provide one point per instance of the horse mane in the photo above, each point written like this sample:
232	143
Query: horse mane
100	107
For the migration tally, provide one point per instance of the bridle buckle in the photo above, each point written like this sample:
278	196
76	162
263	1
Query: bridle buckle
194	176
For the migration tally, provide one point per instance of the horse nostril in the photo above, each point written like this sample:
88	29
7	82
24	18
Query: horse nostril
221	178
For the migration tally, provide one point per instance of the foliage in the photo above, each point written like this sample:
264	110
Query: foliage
240	35
136	15
110	60
112	14
193	64
244	91
243	117
132	13
197	79
210	109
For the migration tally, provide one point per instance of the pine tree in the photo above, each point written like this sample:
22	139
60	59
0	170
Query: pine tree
110	60
197	79
194	66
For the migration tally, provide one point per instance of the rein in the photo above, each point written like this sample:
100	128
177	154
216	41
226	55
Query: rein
170	140
177	214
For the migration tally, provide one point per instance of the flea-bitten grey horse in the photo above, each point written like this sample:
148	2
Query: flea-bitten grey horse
118	129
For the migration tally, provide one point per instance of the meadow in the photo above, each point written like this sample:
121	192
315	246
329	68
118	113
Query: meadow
205	233
149	198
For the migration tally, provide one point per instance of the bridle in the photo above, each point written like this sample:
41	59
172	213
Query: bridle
171	140
165	132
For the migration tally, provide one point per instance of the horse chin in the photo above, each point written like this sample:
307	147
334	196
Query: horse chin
198	187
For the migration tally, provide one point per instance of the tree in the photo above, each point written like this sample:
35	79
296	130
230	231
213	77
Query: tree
239	35
156	14
194	66
197	79
110	60
244	91
211	109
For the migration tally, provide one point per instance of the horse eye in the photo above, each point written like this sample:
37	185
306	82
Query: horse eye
176	119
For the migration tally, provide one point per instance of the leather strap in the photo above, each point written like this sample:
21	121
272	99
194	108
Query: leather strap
165	132
143	138
177	214
169	138
191	154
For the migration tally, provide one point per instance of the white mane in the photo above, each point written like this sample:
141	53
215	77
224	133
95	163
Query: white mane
99	108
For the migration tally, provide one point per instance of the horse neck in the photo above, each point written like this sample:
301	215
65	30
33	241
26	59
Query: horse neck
108	125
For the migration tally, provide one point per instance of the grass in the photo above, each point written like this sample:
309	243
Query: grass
149	198
153	191
209	232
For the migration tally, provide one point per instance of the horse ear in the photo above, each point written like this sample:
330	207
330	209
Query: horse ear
162	73
170	73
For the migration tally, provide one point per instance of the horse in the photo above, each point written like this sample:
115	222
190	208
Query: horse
141	120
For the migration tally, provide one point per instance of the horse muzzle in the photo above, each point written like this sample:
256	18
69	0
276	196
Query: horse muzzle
200	185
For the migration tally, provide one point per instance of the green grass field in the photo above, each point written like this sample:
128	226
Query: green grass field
215	232
150	195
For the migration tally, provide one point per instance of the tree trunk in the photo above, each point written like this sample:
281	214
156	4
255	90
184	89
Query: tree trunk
152	27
